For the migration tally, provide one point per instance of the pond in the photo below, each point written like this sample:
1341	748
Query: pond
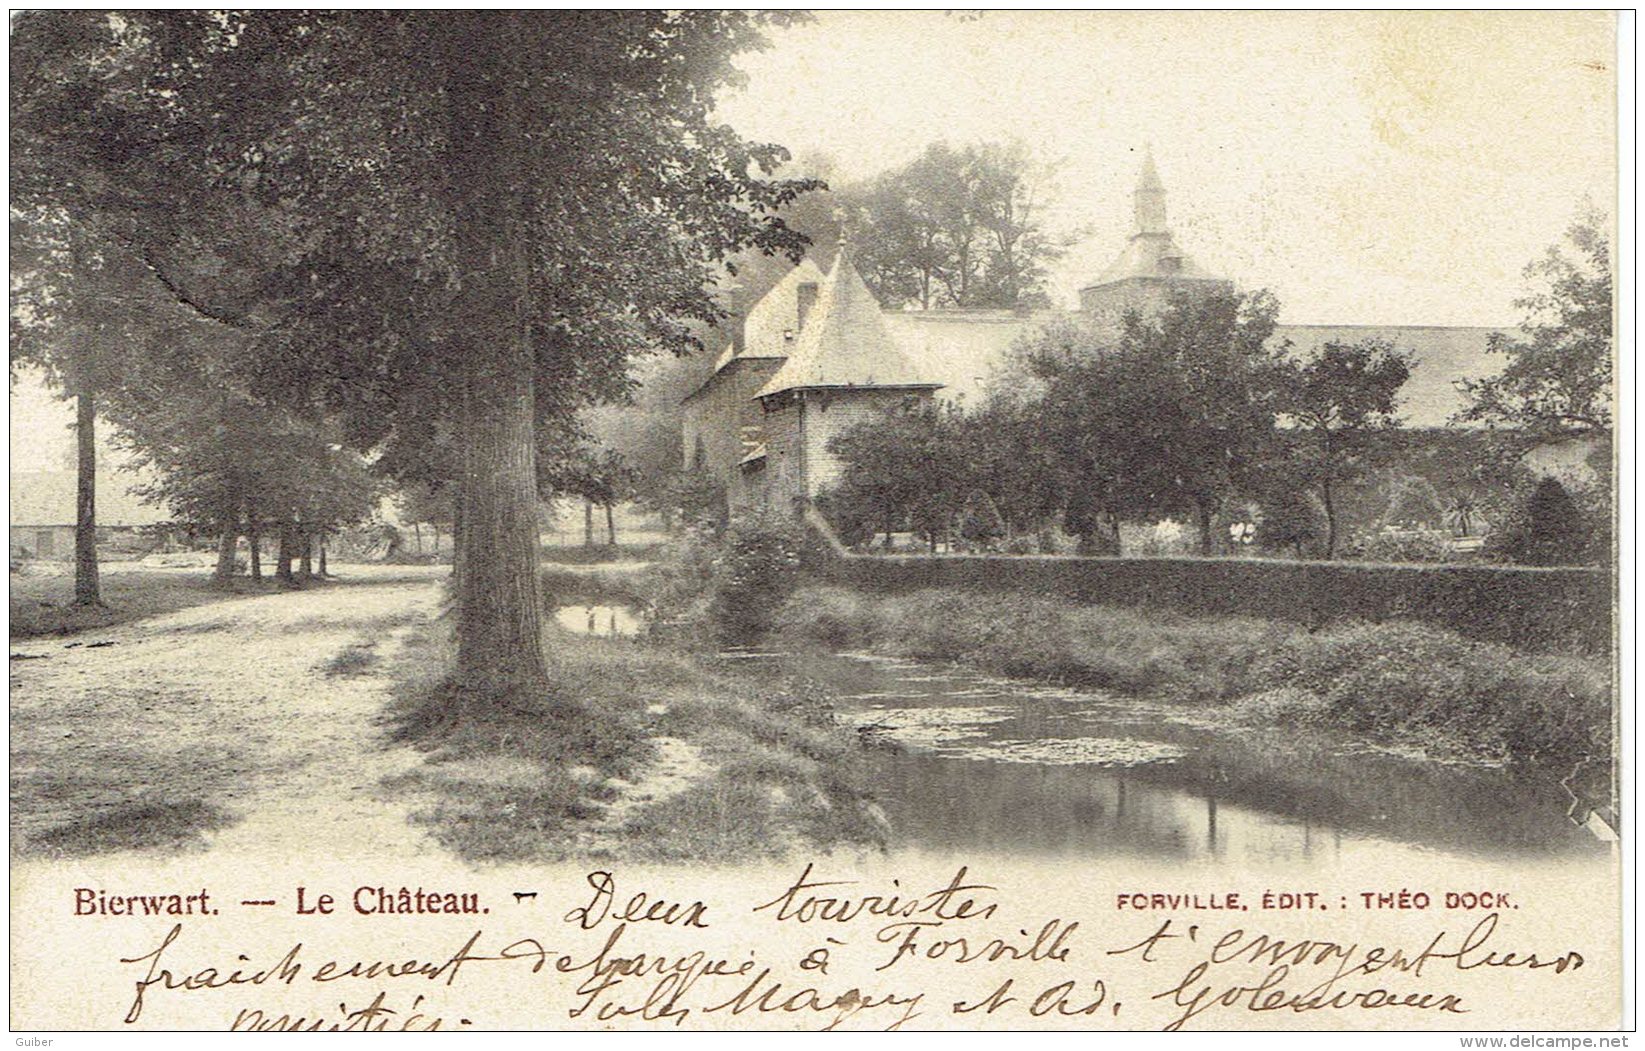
983	763
980	763
599	620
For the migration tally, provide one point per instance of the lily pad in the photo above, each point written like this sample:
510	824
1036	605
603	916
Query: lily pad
1073	751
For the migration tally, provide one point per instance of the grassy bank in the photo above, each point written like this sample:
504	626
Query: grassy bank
639	752
1397	682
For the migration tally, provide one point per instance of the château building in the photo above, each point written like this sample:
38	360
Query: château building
818	355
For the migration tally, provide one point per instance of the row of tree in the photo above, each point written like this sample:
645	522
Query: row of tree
424	239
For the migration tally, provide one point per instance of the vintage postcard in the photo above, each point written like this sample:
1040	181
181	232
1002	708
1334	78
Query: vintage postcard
859	520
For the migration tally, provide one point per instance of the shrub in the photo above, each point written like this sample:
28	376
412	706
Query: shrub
1396	679
1548	529
1292	521
1403	545
758	565
1401	681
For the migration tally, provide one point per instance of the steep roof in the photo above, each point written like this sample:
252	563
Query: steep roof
1153	256
773	324
846	342
1152	252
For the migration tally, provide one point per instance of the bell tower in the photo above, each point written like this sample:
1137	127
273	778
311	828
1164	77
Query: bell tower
1151	268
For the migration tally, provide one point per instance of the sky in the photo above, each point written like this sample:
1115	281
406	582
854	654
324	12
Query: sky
1369	168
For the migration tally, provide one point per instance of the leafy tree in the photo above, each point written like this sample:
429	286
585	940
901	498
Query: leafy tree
693	498
1174	415
1293	520
1011	454
470	218
223	459
1340	396
601	477
903	468
1557	380
957	227
79	307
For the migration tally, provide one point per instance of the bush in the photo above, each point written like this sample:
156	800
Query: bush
1291	521
759	562
1548	529
1403	545
1399	682
854	526
1401	679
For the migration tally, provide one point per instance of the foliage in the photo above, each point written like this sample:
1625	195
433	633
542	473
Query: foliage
1175	415
1340	396
903	469
1548	529
450	230
1492	699
1401	546
1557	379
600	476
758	565
957	227
1292	520
1398	682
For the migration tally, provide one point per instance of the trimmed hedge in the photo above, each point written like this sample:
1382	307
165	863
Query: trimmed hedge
1553	608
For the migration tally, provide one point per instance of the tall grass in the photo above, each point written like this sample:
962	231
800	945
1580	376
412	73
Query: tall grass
1398	682
522	777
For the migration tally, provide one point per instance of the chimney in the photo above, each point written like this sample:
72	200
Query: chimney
806	298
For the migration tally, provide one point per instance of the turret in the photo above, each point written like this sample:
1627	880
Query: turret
1149	200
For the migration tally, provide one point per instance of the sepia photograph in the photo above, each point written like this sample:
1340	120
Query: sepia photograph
539	520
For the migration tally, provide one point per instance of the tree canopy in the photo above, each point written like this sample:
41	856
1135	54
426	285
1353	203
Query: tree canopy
1557	380
956	227
430	227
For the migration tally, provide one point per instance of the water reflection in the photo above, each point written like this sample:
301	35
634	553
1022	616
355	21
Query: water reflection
598	620
1186	786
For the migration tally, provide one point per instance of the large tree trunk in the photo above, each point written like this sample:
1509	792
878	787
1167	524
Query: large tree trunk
254	543
288	546
1203	509
610	527
499	604
86	589
457	536
588	522
323	571
305	548
225	551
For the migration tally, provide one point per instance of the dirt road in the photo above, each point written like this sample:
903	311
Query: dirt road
251	727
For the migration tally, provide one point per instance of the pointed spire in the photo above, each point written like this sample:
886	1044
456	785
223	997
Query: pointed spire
1149	179
1149	198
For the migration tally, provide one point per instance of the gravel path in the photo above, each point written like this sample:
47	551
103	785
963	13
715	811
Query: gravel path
247	721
